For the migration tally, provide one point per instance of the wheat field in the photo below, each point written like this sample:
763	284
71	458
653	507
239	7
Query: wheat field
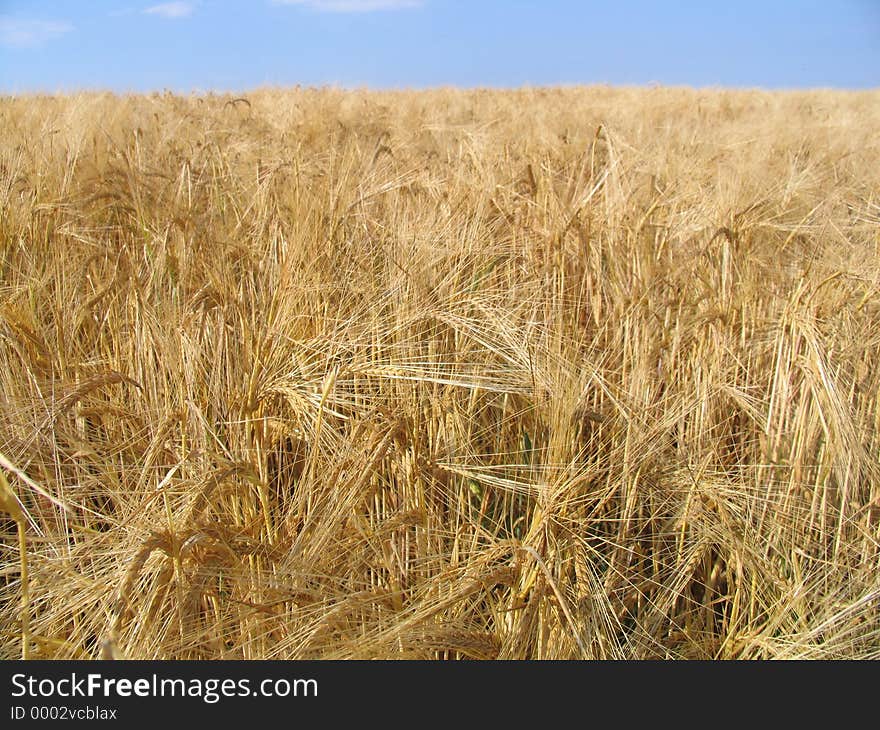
449	374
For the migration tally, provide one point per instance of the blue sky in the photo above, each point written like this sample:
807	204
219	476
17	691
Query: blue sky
51	45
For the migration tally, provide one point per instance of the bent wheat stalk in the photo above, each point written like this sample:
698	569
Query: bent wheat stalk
9	504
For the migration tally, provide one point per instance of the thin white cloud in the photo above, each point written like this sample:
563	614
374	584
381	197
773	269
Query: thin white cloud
171	10
25	33
352	6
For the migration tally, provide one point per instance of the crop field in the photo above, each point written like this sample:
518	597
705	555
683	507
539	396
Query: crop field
548	373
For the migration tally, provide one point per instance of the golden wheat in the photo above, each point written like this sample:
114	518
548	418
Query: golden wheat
546	373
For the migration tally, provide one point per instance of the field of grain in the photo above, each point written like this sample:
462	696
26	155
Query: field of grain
545	373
